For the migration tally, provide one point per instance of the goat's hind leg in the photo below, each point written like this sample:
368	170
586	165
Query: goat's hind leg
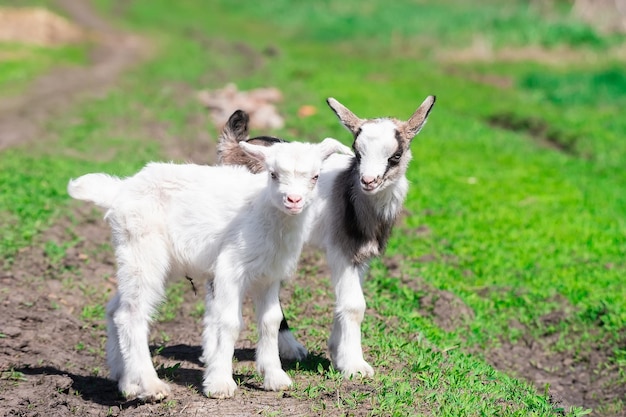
288	347
222	324
141	283
114	356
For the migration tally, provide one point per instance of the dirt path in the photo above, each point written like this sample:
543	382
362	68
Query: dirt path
22	117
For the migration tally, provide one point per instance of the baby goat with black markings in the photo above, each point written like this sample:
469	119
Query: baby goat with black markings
242	232
360	198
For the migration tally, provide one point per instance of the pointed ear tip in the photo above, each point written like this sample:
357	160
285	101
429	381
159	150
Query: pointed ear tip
326	142
330	141
238	117
427	104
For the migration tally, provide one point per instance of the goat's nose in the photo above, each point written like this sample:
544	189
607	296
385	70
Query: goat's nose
367	180
294	198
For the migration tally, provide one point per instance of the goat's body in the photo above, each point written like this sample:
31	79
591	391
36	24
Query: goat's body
193	232
243	232
351	228
164	222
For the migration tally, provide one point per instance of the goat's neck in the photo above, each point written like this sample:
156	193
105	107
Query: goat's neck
274	220
387	203
276	239
367	219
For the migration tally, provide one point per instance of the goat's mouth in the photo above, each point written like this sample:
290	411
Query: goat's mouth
294	209
371	188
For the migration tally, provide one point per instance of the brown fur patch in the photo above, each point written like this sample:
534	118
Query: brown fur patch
236	130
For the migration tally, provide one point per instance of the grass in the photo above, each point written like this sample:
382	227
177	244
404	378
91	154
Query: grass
13	375
22	63
518	227
175	297
450	22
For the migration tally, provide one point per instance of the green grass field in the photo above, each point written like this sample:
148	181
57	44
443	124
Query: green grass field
521	186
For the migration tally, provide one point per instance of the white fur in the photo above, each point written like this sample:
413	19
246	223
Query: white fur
240	231
376	143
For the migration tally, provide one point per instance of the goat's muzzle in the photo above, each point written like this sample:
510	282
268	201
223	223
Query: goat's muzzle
369	184
294	203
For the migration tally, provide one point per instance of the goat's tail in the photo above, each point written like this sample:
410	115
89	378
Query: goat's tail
235	131
100	189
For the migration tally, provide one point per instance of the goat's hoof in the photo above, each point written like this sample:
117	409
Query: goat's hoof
360	369
276	381
129	391
289	348
152	391
155	391
220	389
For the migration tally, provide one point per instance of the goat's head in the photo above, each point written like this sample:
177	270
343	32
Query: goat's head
293	169
382	145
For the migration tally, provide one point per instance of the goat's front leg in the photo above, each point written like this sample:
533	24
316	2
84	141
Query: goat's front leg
345	339
222	324
269	316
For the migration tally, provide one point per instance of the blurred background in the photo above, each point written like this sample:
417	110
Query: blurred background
501	292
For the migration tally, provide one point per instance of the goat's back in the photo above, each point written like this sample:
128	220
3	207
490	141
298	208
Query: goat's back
187	206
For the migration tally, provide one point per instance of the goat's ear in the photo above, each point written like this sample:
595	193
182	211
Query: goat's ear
330	146
347	118
237	126
259	152
417	121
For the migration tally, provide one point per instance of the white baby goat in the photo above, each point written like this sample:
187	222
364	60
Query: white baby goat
240	231
360	198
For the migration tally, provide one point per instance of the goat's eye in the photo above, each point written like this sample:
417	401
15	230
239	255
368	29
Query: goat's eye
315	178
396	157
273	175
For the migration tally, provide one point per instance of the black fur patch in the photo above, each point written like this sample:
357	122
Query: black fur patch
364	234
284	326
210	288
392	161
265	140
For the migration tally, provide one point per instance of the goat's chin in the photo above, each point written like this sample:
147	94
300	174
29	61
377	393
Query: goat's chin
372	190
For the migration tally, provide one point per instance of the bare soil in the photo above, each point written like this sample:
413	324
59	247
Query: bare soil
52	335
482	50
